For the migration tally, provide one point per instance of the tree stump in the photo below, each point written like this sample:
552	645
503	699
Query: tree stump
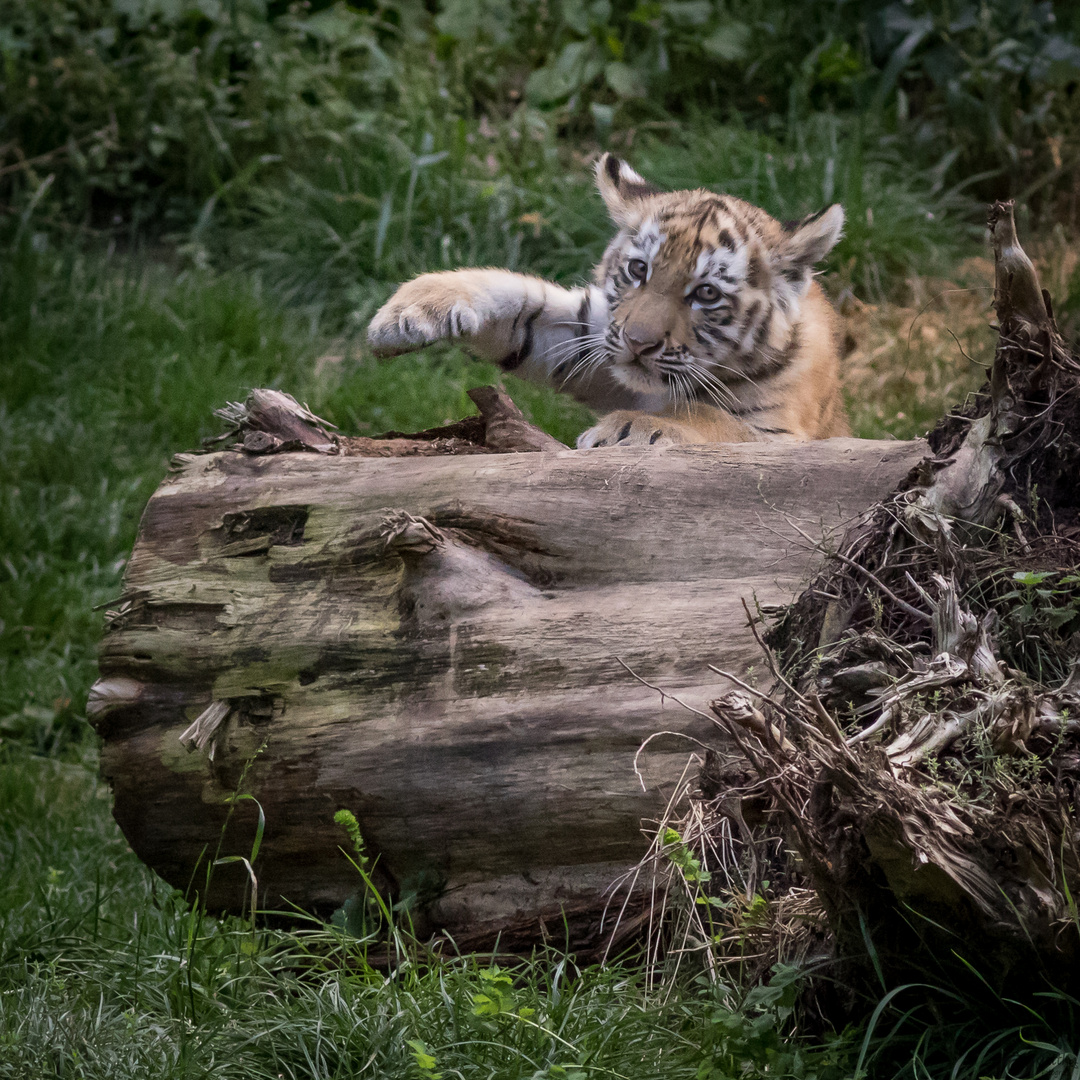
450	639
930	767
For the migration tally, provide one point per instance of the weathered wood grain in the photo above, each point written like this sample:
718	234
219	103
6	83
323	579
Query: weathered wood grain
437	644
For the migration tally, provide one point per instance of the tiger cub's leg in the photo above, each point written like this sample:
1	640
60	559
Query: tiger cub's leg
531	327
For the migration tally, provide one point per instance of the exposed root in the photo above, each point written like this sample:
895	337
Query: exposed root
918	755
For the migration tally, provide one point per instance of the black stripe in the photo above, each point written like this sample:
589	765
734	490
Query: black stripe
735	220
761	335
755	271
697	219
580	332
751	314
765	365
635	190
516	359
771	430
583	314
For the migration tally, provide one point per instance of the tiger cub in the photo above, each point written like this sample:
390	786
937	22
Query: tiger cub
704	323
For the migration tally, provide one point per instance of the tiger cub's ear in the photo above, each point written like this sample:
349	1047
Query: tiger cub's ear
622	189
808	242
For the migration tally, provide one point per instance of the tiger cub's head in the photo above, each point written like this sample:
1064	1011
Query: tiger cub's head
704	290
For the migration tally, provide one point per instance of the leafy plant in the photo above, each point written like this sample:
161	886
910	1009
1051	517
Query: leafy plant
1038	618
683	859
144	109
142	114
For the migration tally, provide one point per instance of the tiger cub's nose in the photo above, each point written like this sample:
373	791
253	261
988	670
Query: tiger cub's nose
642	342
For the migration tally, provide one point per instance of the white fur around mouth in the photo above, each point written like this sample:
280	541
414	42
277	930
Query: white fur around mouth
634	374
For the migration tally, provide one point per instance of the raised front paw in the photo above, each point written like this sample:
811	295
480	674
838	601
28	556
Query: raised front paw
632	429
433	307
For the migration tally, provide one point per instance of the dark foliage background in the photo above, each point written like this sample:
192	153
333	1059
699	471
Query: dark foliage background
146	111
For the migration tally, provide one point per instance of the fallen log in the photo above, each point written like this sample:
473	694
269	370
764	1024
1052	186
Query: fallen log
457	642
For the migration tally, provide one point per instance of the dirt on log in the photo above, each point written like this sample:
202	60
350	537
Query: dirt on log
447	638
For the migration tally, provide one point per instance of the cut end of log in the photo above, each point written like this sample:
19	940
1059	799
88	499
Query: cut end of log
112	693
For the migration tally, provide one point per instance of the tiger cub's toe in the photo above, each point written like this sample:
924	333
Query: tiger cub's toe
629	429
420	313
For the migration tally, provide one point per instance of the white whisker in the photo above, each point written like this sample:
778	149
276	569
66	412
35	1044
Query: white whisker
735	371
586	365
571	345
685	391
721	395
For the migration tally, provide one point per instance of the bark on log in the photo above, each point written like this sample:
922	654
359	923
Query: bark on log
437	643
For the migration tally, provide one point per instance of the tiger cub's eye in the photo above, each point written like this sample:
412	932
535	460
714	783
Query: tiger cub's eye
705	294
638	269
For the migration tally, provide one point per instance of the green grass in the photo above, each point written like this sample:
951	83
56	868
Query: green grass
374	210
306	168
105	973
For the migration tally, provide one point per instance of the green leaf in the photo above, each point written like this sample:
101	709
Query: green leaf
647	11
1058	617
425	1060
689	12
603	115
485	1005
466	20
626	81
730	42
576	65
1032	577
839	64
1024	613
